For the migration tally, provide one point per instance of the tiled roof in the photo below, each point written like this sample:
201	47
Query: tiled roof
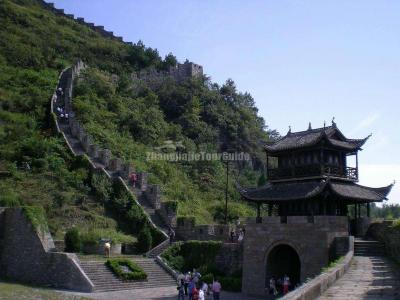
311	137
286	191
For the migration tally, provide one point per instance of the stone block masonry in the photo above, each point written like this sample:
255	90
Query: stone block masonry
312	240
27	256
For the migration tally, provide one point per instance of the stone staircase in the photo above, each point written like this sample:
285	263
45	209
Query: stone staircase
365	247
104	280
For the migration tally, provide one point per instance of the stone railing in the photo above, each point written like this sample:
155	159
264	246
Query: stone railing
317	286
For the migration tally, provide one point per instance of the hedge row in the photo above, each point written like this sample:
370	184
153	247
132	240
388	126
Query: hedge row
136	272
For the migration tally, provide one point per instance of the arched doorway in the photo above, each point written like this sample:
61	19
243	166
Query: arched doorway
283	260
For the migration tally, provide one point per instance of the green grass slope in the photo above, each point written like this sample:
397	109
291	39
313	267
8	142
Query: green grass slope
129	118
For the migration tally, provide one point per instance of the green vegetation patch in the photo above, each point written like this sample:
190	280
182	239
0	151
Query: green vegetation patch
36	216
200	255
126	269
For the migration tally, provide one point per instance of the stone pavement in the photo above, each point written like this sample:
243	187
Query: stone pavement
161	293
369	277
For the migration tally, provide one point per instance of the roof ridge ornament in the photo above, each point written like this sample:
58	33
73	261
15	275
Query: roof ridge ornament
333	122
324	124
309	126
290	130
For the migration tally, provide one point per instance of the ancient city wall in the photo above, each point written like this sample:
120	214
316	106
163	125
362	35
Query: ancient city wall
27	256
112	167
312	239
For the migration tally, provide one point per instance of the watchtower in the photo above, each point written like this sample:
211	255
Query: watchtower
309	189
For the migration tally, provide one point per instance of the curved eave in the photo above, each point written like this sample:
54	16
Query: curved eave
312	193
365	194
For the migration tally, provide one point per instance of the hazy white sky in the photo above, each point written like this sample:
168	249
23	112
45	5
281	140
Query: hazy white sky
301	60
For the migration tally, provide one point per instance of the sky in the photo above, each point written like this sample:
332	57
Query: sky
302	61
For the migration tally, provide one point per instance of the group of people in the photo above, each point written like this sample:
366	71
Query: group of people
279	286
191	287
61	112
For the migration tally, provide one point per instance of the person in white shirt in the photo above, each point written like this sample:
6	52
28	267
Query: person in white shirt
201	294
107	247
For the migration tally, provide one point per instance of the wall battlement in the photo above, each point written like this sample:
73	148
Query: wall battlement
178	73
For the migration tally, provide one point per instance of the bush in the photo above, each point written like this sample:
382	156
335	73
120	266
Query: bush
136	272
9	199
40	164
94	235
72	240
145	240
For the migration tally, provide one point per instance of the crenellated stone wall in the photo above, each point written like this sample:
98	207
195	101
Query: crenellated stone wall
186	229
28	255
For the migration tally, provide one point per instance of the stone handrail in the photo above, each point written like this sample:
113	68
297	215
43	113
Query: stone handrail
316	286
167	267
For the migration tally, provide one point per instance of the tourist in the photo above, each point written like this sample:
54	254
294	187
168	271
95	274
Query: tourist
171	234
107	248
204	287
190	288
195	293
196	276
133	178
216	289
232	236
201	294
187	280
240	237
181	291
286	284
272	286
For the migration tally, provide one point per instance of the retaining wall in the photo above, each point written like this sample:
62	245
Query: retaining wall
27	256
387	234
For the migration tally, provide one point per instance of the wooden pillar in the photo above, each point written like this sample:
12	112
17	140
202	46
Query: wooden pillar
321	159
368	210
357	165
355	211
258	220
269	209
267	166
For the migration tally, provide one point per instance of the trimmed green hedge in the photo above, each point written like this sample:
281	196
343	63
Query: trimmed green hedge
228	283
136	272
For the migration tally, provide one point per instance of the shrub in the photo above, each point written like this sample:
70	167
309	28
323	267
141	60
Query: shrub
145	240
94	235
136	272
40	164
72	240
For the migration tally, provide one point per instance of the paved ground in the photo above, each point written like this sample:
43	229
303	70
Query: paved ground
368	278
162	293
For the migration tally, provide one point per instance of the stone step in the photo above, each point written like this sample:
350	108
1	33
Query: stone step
104	280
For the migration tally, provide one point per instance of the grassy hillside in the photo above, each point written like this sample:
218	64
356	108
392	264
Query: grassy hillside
129	118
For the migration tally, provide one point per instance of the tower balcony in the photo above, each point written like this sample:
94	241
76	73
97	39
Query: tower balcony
314	170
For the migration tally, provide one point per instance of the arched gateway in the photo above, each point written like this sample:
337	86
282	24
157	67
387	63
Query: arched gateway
283	260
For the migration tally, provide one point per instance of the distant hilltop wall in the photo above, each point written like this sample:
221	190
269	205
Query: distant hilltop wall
178	72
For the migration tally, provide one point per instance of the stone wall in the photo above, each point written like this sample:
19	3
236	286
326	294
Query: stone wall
312	239
27	256
229	258
387	234
187	230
